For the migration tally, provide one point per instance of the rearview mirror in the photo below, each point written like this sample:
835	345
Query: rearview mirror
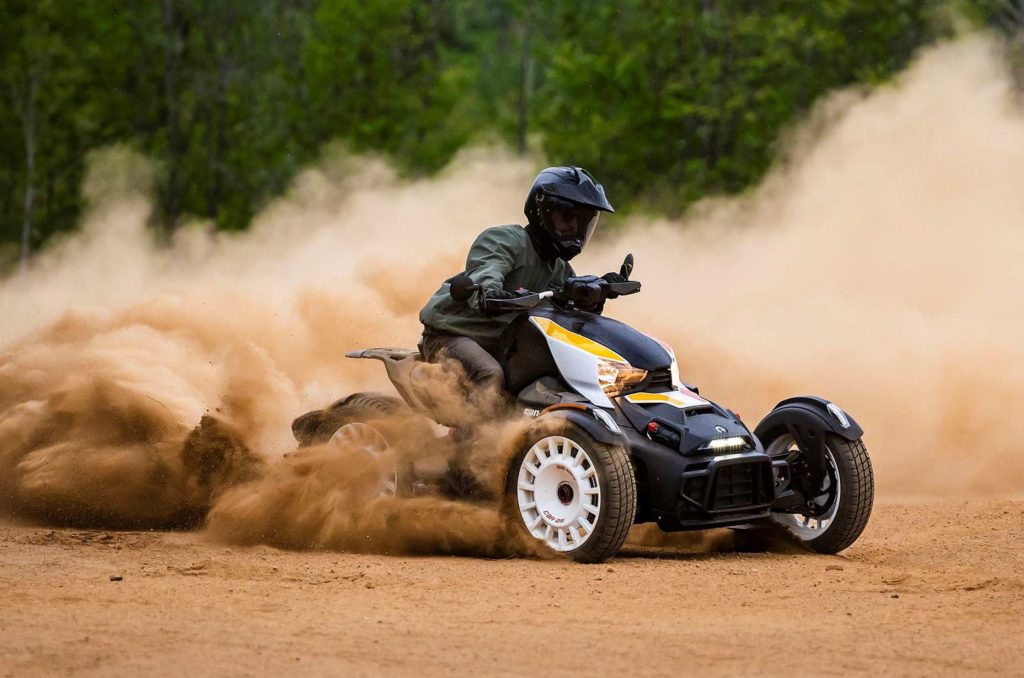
462	287
627	266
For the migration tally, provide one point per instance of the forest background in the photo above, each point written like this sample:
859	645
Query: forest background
666	101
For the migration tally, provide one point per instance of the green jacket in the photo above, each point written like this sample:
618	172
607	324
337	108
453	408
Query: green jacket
501	257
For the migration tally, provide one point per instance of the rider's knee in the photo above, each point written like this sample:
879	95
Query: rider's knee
488	375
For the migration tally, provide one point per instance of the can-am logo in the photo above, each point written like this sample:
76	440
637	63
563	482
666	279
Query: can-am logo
553	519
720	429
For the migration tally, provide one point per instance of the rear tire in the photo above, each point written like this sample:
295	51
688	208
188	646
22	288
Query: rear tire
851	476
559	480
347	422
318	426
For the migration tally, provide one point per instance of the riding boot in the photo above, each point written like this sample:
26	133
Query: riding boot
459	481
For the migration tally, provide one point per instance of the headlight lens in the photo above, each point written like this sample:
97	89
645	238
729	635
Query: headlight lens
723	444
617	377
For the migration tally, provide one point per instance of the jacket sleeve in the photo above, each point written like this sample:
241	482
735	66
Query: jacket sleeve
490	259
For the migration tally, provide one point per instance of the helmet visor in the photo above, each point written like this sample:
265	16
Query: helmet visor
566	220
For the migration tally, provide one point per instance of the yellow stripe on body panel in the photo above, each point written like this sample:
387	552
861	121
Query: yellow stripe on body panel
674	398
559	333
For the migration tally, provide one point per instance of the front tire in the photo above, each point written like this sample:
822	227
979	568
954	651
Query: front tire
848	491
570	492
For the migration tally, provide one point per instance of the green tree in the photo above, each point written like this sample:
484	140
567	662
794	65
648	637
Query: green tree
377	79
683	99
67	91
667	100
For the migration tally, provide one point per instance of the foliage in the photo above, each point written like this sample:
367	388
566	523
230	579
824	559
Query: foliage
685	99
666	101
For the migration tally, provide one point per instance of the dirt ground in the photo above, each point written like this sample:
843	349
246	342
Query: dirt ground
933	587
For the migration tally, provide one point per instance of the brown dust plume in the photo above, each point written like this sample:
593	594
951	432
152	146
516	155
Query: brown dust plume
875	266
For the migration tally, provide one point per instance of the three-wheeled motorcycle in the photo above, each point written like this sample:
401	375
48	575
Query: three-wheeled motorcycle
616	438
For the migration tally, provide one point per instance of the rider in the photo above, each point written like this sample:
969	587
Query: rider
562	210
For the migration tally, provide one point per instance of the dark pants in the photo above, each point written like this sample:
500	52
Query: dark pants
483	403
481	367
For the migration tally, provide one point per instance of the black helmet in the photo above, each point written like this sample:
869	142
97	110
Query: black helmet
562	209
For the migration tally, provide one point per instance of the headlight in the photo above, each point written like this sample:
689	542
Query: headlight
722	444
617	377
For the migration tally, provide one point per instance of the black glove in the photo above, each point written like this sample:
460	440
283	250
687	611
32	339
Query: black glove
491	294
613	278
498	293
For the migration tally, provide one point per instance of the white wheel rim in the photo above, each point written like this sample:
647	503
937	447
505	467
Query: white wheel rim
809	527
559	493
369	440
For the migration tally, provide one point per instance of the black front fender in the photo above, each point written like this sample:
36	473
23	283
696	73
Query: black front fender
809	420
808	413
589	422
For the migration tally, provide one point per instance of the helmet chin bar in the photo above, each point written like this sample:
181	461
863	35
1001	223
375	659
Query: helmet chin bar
567	249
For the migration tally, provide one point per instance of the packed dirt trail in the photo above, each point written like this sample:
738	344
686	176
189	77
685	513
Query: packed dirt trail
932	588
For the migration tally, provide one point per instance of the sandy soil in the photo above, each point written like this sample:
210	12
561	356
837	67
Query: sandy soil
933	587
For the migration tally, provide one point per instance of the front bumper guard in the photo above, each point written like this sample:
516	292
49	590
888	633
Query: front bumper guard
725	490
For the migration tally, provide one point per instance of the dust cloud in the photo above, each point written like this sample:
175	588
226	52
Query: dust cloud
117	348
876	266
329	496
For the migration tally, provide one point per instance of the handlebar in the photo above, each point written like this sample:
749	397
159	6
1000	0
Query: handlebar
623	288
525	302
587	291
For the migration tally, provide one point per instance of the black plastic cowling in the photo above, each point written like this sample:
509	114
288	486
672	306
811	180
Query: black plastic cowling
585	419
809	420
807	412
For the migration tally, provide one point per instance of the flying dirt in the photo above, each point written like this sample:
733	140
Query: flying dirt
876	261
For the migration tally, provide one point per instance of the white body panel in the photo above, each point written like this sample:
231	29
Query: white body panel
578	366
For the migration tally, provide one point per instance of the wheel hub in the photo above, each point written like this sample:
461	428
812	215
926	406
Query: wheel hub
363	437
558	493
822	508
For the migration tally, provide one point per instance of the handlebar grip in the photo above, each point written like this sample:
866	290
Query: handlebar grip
523	303
628	287
462	287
